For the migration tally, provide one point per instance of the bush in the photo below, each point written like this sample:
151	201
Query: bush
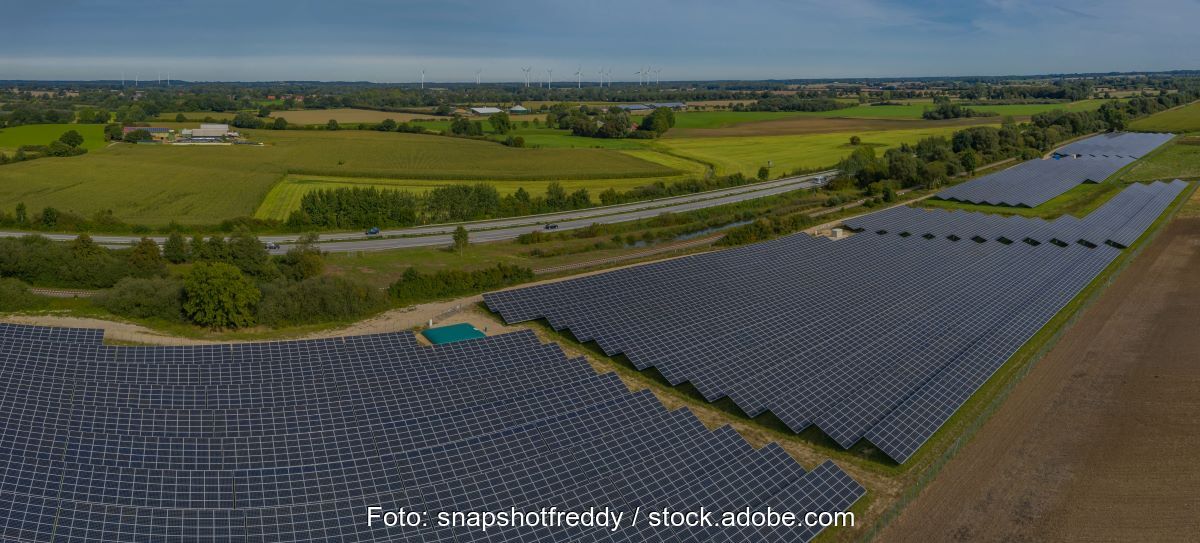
216	294
318	299
15	296
156	298
414	287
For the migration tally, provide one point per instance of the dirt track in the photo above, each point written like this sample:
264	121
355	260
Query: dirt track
1099	441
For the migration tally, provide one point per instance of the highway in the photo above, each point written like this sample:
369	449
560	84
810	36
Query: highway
510	228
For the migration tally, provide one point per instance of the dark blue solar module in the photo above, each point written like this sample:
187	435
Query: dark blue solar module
879	337
1032	183
1116	144
1117	222
293	440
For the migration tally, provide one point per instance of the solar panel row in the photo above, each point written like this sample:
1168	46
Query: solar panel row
1118	222
1116	144
292	441
50	333
876	337
1032	183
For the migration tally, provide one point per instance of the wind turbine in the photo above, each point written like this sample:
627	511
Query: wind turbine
549	78
656	72
477	72
527	69
422	78
579	77
601	72
639	74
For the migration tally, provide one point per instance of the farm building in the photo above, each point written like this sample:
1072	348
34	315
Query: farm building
518	110
158	133
634	107
678	106
211	131
485	110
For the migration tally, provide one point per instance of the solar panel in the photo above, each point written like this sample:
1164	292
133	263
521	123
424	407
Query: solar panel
878	336
1117	222
1122	144
292	441
1032	183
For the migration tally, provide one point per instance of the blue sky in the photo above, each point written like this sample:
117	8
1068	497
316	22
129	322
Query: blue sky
731	39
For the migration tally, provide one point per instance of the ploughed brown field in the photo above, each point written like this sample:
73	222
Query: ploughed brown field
1099	442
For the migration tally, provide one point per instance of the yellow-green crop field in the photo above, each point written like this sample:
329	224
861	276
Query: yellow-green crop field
787	153
1179	120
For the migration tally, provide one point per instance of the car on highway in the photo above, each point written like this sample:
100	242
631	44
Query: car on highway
372	231
550	226
271	246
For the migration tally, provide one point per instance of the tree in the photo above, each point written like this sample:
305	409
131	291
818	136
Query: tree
145	260
280	124
764	173
501	123
22	213
214	250
175	250
332	125
49	218
969	160
264	111
217	295
250	256
113	132
388	125
245	119
461	238
71	138
134	136
855	140
303	260
180	118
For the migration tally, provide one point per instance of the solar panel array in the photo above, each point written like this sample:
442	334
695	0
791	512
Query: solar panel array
292	441
1032	183
50	333
1118	222
875	337
1116	144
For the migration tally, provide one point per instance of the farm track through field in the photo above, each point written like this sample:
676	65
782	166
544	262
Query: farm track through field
1097	442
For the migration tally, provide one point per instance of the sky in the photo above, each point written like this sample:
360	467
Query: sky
392	41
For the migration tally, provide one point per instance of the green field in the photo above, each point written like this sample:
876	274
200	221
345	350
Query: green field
41	134
1179	120
721	119
1180	159
204	185
788	153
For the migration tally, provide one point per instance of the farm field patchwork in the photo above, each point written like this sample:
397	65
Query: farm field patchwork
204	185
1179	120
40	134
1180	158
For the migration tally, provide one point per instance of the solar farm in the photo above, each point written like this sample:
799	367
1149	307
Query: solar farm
292	441
1032	183
876	338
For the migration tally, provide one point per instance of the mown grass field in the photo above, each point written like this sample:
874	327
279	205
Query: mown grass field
204	185
42	134
1179	120
913	111
746	154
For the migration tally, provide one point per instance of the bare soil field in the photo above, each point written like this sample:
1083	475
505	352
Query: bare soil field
1098	442
820	125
